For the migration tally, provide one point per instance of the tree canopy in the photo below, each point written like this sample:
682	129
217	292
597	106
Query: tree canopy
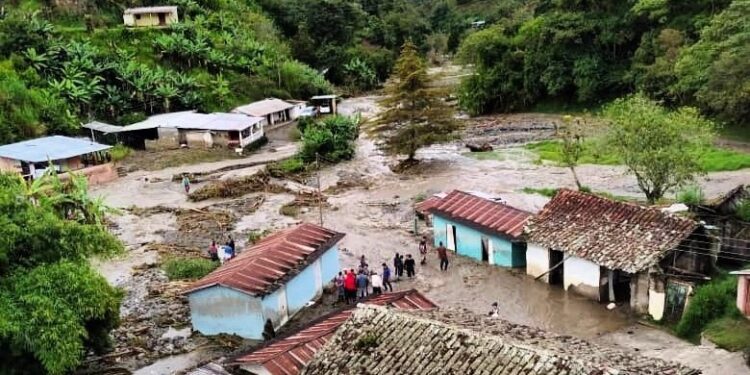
659	146
415	114
53	305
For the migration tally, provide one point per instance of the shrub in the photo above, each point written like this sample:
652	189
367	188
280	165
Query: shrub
332	139
690	195
711	301
291	210
119	152
285	167
547	192
742	211
188	268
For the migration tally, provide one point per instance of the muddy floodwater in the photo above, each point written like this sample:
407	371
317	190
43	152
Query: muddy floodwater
375	209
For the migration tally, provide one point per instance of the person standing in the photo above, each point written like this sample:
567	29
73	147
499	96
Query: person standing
230	243
409	264
350	287
362	282
340	286
213	251
443	255
387	278
423	250
377	283
186	183
397	265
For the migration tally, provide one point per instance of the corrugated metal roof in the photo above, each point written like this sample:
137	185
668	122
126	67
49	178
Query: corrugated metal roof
484	213
102	127
54	147
426	205
288	355
264	107
316	97
198	121
157	9
616	235
265	266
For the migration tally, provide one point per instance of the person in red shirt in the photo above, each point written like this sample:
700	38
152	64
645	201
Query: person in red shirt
350	287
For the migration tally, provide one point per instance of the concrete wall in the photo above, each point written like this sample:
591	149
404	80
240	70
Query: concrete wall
469	243
582	276
271	306
303	288
743	294
656	303
168	138
330	265
537	261
639	295
148	19
97	174
222	310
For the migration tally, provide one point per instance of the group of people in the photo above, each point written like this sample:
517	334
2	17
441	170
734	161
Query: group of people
222	253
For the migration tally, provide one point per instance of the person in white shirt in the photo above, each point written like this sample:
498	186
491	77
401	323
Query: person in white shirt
377	283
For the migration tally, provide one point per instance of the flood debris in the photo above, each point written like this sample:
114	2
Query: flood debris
349	180
476	147
236	187
509	129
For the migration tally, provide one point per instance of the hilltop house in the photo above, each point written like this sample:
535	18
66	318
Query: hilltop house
376	340
150	16
618	252
271	280
275	111
288	355
480	228
33	157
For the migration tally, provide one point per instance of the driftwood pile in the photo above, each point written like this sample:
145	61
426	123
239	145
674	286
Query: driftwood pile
235	187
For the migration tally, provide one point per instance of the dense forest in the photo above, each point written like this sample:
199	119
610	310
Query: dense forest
65	62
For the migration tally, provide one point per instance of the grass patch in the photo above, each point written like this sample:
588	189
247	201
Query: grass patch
485	155
713	159
286	167
547	192
291	210
120	152
188	268
712	301
730	333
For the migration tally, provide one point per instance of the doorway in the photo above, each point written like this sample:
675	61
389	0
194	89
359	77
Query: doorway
450	230
556	275
162	19
488	255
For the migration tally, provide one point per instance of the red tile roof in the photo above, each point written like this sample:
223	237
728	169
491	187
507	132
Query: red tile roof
612	234
426	205
288	355
265	266
484	213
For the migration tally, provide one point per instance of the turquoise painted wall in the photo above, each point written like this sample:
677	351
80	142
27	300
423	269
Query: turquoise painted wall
469	243
222	310
330	264
270	307
302	288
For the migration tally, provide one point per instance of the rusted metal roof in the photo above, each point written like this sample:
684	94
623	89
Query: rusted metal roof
484	213
288	355
612	234
265	266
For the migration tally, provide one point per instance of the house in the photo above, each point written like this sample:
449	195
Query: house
721	212
31	158
325	104
150	16
288	355
618	252
480	228
170	130
743	291
271	280
275	111
377	340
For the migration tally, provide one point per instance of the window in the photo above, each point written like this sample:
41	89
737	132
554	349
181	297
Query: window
137	16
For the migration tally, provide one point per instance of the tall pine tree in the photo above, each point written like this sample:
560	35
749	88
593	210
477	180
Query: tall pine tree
415	114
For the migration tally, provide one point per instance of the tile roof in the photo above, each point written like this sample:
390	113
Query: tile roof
263	107
428	204
376	340
265	266
287	355
56	147
484	213
615	235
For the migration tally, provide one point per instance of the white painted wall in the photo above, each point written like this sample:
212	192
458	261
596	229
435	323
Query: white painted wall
581	271
537	260
656	304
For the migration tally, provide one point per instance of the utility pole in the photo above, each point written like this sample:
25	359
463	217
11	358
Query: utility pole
320	195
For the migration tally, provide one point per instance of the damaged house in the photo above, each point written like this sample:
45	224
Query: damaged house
272	280
618	252
734	230
480	228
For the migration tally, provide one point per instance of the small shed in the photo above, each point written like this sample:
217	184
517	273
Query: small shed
275	111
150	16
33	157
480	228
325	104
271	280
743	291
618	252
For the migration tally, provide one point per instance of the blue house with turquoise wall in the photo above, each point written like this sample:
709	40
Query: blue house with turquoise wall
271	280
480	228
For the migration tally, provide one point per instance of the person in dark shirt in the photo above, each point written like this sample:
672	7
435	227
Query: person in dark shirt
387	278
443	255
409	264
398	265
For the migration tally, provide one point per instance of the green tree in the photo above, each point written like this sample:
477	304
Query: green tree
660	147
53	305
572	145
415	114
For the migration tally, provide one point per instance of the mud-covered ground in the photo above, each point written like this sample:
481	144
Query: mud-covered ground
374	207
